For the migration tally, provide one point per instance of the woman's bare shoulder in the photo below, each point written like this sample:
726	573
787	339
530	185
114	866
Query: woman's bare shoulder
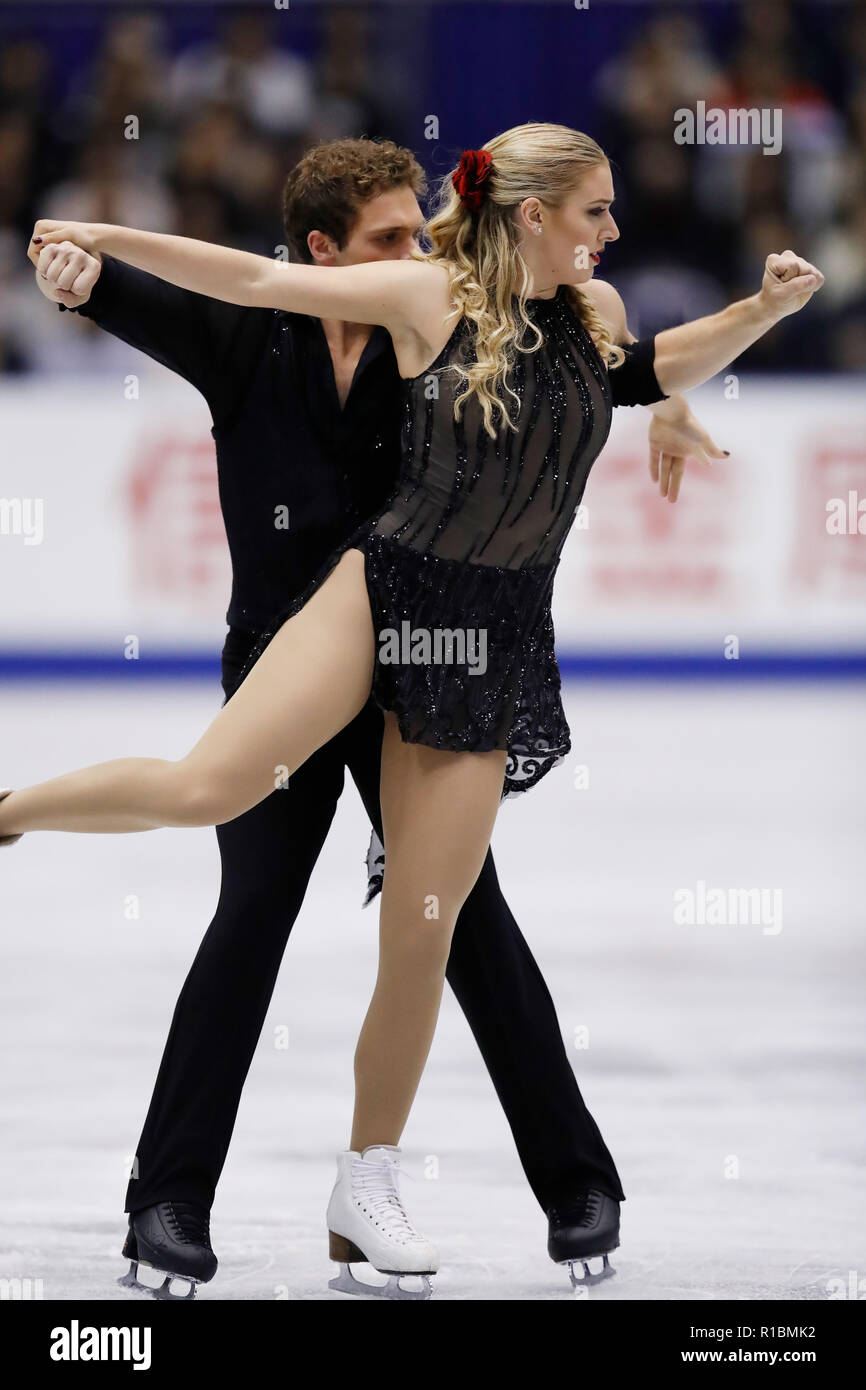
429	318
609	304
431	285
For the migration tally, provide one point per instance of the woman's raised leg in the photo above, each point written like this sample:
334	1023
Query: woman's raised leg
311	680
438	812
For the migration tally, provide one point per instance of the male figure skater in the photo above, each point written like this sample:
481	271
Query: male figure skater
306	414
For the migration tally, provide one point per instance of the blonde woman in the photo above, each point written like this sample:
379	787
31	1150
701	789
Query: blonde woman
439	604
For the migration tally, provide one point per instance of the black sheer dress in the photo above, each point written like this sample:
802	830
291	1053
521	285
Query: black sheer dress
460	562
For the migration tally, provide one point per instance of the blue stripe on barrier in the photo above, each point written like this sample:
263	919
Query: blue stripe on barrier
710	666
765	664
61	666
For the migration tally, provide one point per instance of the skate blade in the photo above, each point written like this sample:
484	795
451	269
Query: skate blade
589	1277
131	1280
345	1282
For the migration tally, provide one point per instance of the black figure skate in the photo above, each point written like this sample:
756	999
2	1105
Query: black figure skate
173	1239
581	1230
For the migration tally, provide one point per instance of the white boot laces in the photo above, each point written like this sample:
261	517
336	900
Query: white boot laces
374	1189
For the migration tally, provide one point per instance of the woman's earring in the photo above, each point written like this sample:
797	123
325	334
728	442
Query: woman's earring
538	227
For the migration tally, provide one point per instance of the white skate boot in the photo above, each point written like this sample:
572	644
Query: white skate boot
367	1222
7	839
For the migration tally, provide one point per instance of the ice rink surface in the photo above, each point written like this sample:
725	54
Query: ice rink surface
724	1065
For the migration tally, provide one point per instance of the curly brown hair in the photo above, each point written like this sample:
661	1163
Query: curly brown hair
328	187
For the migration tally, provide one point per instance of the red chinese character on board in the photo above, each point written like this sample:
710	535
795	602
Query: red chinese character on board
642	547
830	535
179	540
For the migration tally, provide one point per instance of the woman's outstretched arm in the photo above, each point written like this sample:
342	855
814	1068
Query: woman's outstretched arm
694	352
378	292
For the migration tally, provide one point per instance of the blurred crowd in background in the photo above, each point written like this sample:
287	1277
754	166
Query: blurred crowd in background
698	222
222	118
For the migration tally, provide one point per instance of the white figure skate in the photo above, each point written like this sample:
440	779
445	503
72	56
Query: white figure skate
367	1222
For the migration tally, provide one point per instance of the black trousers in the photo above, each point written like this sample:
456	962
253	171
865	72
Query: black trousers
268	855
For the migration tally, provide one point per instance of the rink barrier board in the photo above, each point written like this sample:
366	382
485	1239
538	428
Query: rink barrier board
111	532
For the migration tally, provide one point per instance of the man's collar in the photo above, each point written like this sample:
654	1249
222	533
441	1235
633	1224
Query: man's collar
311	325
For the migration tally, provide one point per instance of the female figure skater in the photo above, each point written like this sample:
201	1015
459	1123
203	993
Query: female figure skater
510	376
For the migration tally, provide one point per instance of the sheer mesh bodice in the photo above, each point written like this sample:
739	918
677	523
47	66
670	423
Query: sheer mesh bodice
509	501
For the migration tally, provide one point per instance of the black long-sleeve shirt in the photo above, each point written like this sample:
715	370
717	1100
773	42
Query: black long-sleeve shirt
281	439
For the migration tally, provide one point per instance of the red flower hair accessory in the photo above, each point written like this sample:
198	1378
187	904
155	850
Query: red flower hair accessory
470	177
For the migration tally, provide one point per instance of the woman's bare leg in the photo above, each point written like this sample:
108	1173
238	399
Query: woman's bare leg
312	680
438	811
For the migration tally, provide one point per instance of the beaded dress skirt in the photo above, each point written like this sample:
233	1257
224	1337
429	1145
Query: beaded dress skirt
460	562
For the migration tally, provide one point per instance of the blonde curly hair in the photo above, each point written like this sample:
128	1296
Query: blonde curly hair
481	254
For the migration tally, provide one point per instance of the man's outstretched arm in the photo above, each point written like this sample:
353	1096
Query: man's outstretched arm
187	332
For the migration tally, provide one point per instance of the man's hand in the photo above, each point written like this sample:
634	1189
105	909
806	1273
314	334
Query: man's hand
676	434
64	273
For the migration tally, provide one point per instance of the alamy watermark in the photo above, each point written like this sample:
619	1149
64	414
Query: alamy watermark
733	126
23	516
21	1290
437	646
77	1343
846	516
729	907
